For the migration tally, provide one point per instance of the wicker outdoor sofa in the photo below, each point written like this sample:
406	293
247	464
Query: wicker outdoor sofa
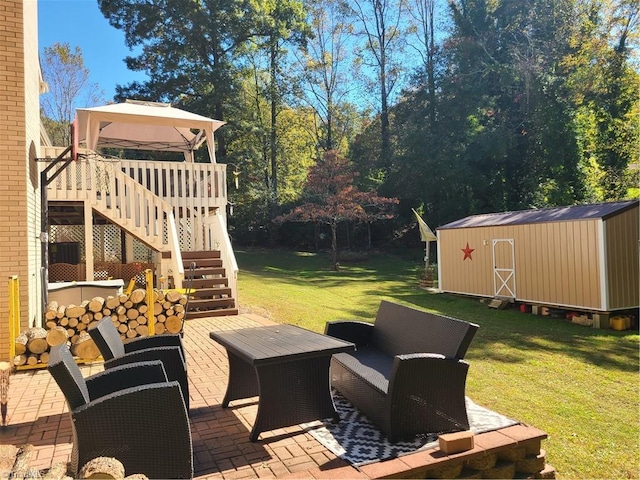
407	374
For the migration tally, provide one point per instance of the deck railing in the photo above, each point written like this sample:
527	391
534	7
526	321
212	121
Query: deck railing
194	194
194	188
123	201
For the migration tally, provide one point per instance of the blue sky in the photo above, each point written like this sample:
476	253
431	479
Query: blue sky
80	23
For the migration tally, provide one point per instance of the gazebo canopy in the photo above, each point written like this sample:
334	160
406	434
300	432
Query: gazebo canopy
146	126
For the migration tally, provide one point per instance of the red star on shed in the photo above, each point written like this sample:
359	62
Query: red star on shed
467	252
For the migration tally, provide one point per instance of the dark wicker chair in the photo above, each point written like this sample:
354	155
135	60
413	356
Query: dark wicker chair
111	416
407	374
166	347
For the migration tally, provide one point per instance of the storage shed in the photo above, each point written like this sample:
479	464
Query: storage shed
581	257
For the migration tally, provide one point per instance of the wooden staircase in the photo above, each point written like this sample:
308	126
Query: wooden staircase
205	274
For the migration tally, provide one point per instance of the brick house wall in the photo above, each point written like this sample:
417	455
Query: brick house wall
19	148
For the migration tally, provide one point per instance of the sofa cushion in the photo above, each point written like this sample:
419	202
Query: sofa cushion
369	364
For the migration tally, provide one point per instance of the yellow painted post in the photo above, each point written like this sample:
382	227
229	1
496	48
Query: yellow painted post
131	286
14	314
14	326
150	302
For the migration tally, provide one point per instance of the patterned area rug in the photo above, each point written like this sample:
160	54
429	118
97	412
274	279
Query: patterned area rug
359	442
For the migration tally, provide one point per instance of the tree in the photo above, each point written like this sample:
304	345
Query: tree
505	84
381	22
604	87
423	15
69	85
332	198
188	50
325	80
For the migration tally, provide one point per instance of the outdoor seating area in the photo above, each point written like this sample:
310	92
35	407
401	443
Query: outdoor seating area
407	374
38	414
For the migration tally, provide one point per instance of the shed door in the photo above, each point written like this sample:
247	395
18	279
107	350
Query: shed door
504	273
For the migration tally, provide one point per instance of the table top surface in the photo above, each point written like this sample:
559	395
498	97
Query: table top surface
278	343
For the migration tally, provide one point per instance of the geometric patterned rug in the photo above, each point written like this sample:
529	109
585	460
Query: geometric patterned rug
359	442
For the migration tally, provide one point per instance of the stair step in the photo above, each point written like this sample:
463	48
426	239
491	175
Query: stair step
210	303
206	282
199	272
221	312
201	254
202	262
499	303
211	292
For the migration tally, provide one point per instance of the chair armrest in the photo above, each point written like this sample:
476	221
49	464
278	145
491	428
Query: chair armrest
429	388
152	341
428	370
125	376
353	331
124	424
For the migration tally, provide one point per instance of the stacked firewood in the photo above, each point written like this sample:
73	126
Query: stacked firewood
69	323
15	462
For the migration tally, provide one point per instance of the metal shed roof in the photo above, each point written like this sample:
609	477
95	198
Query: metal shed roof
543	215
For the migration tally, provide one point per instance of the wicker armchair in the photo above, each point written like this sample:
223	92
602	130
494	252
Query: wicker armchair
407	374
167	347
110	416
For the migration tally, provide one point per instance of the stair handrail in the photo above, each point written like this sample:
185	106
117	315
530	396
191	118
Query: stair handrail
221	234
192	269
124	201
139	203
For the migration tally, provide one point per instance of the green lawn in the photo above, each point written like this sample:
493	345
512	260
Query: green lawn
578	384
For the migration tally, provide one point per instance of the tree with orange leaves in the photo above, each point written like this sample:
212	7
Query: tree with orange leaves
332	198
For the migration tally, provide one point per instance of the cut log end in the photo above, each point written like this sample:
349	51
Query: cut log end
85	347
102	467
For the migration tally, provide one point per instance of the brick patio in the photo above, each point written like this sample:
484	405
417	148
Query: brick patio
37	415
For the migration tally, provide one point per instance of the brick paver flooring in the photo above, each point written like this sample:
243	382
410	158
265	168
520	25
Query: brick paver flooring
38	415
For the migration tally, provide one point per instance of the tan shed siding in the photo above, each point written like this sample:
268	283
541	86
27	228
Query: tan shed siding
622	234
555	263
14	243
470	276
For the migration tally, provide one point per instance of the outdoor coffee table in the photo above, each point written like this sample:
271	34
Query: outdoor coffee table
287	367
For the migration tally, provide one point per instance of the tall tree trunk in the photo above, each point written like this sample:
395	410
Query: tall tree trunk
329	145
221	144
274	102
431	63
334	245
385	146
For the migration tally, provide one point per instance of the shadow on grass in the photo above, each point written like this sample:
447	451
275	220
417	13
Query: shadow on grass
527	333
395	278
